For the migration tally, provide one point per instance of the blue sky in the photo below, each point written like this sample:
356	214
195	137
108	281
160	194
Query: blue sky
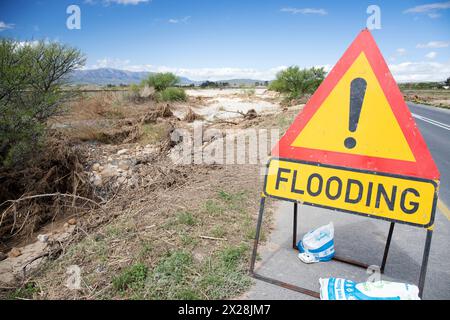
220	39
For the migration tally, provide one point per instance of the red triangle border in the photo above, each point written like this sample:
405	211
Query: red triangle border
424	167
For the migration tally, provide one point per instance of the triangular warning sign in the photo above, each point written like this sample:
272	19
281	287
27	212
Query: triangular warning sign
358	119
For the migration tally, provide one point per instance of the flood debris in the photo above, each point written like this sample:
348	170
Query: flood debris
191	116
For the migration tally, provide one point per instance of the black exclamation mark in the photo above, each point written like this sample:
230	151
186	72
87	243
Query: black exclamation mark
357	92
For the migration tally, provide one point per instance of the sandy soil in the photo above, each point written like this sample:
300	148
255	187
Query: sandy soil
215	104
152	210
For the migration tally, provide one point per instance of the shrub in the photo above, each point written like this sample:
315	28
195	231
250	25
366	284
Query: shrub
186	218
172	94
134	90
296	82
132	277
161	81
31	80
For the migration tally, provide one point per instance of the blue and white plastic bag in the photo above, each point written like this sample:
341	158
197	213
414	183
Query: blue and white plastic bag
341	289
317	245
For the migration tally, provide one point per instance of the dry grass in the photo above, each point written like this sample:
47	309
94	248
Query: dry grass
184	232
57	169
153	133
191	116
103	105
158	233
110	118
438	98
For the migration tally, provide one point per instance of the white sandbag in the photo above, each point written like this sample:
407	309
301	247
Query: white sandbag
341	289
317	245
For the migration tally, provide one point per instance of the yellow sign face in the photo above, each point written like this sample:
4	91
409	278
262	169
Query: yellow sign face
329	126
389	197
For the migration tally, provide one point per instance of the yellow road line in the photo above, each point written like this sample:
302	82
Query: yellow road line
443	208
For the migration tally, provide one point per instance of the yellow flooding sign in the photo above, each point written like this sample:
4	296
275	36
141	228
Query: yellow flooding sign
385	196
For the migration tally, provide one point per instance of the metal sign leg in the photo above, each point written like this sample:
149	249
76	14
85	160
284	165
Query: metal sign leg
312	293
258	234
386	249
294	234
423	270
254	256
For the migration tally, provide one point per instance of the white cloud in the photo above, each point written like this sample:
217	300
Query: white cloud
431	55
434	15
224	73
5	26
321	12
126	2
420	71
400	51
21	44
182	20
431	9
434	44
111	63
403	72
197	74
123	2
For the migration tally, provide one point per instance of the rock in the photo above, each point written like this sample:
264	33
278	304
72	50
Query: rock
124	165
72	221
251	114
109	171
14	253
97	180
3	256
43	238
96	167
63	236
110	159
121	152
121	180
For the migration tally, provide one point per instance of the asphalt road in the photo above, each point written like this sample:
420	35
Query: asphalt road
434	124
363	239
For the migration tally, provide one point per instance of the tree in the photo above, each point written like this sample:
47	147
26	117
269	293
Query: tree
162	81
296	82
447	82
208	84
31	91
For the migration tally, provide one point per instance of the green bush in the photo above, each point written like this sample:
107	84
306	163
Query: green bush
172	94
295	82
161	81
31	91
186	218
25	292
134	92
132	277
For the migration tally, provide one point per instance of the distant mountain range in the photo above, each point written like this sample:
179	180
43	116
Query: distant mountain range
105	76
